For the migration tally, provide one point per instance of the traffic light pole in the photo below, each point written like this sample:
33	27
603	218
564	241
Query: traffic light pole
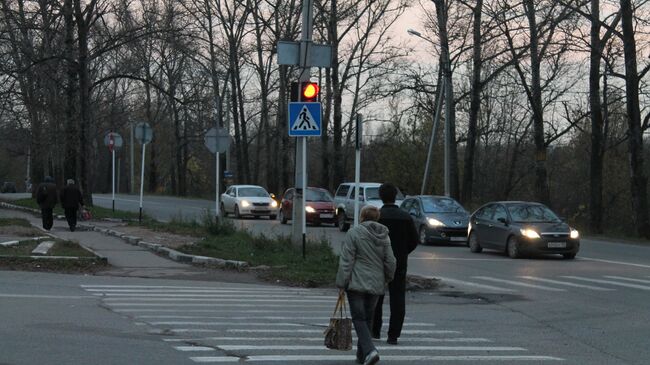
299	229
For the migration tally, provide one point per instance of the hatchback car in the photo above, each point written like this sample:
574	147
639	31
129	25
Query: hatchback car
319	206
250	200
521	228
438	219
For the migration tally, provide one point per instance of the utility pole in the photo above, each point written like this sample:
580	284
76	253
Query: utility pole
436	119
131	163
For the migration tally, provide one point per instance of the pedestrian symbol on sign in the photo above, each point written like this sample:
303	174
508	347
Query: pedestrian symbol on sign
305	121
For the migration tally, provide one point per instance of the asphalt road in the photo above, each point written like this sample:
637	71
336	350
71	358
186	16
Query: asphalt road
591	310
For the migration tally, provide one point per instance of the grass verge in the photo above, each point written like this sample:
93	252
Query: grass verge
64	257
283	259
96	211
6	222
60	248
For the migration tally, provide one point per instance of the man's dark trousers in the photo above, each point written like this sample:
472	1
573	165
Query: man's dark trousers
397	291
48	218
71	217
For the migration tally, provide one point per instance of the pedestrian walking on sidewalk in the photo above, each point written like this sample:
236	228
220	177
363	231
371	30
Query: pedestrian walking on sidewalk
71	200
47	197
404	239
366	266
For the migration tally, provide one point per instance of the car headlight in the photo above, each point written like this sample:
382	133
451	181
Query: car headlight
274	204
435	223
309	209
575	234
529	233
245	204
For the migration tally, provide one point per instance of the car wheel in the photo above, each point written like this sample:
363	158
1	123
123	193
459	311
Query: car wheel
273	217
283	219
423	235
237	215
343	225
223	210
474	246
569	256
513	248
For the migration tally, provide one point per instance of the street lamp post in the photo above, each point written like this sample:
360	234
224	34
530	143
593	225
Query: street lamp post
442	88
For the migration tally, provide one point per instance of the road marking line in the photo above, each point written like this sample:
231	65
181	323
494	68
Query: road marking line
452	259
567	284
43	296
153	296
628	279
350	358
387	348
615	262
183	305
324	300
262	324
193	348
469	283
192	291
410	332
191	287
633	286
517	283
216	311
320	339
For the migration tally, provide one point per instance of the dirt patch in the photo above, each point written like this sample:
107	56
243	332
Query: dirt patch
170	240
64	266
19	231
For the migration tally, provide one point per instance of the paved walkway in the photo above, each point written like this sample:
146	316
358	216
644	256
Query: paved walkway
126	259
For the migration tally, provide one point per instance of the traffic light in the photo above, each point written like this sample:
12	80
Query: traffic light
305	91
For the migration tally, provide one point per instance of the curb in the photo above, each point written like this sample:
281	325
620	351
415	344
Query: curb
168	252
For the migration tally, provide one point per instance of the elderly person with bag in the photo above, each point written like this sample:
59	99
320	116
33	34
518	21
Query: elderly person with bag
366	266
71	200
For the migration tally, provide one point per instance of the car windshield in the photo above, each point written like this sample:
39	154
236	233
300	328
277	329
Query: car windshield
530	213
441	205
314	195
253	192
373	194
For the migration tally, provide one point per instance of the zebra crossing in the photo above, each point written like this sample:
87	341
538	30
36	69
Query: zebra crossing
268	325
560	283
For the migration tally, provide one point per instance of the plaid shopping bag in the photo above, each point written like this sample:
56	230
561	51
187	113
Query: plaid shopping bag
338	335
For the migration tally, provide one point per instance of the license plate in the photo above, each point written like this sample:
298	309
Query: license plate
557	245
462	239
327	215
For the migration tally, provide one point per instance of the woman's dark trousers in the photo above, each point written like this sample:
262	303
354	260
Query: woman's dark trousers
362	306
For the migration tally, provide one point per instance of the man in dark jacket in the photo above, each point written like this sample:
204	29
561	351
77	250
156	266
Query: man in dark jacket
46	197
71	200
403	239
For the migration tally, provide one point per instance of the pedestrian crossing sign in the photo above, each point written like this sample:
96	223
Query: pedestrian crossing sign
304	119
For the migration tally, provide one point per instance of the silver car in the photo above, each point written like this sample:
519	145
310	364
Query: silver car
439	219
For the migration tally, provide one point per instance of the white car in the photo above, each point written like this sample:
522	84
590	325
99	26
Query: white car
251	200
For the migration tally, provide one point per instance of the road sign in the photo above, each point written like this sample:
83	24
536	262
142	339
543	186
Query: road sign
217	140
113	140
143	133
304	119
228	174
318	55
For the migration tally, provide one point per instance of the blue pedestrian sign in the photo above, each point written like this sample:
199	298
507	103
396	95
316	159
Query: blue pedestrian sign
304	119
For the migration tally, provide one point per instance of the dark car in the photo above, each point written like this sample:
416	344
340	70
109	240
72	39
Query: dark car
8	187
439	219
521	228
319	206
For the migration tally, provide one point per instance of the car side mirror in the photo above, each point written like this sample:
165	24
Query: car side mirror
503	220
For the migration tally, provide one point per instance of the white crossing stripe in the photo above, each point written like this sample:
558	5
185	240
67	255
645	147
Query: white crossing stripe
350	358
215	311
183	305
472	284
320	339
172	291
627	285
120	296
615	262
189	287
298	330
324	300
566	283
387	348
193	348
628	279
248	324
265	317
517	283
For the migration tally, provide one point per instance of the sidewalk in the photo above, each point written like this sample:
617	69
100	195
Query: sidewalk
128	260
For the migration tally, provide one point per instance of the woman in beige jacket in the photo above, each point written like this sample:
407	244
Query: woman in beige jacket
366	266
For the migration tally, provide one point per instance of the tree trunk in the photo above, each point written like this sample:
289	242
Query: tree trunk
338	172
638	180
596	161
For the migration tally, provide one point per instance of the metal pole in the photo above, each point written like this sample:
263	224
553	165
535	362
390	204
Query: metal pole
447	136
113	176
301	171
304	194
436	119
117	184
357	170
216	190
144	148
132	162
